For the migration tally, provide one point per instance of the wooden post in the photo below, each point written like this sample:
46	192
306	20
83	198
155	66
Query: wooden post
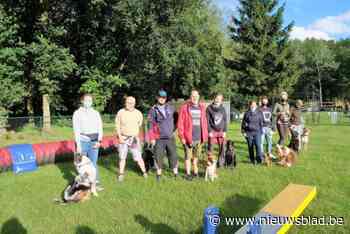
46	113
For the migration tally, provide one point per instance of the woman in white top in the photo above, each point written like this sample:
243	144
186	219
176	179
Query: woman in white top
88	130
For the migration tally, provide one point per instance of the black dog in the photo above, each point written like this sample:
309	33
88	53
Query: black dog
230	155
148	156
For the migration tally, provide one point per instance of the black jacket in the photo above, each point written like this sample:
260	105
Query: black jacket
252	123
217	118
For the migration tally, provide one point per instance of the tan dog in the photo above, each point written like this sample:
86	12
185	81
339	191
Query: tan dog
305	137
286	155
268	159
210	170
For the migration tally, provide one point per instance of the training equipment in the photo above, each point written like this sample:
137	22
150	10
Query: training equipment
211	220
23	158
287	205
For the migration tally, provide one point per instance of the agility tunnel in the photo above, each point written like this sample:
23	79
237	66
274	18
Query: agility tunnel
26	157
280	213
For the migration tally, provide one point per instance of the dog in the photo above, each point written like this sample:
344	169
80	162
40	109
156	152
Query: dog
210	169
268	159
286	155
305	137
148	156
230	154
84	184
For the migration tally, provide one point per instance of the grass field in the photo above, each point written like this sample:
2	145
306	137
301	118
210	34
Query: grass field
176	206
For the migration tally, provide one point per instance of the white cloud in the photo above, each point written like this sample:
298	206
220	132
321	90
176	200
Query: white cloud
326	28
302	33
334	24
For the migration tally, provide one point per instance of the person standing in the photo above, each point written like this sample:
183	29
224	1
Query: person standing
268	128
281	113
251	128
193	131
217	127
128	122
161	134
296	126
88	132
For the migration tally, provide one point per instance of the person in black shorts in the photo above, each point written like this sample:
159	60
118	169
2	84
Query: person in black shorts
161	134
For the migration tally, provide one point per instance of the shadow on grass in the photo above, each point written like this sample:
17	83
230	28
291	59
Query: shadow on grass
11	226
84	230
238	206
68	171
154	228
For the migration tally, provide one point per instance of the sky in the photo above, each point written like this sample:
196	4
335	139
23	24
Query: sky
321	19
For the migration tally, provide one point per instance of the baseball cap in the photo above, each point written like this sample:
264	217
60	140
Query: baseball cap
162	93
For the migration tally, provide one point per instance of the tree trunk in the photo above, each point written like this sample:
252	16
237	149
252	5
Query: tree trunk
320	85
46	113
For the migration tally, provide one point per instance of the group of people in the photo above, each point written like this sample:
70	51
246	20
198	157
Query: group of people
196	124
260	122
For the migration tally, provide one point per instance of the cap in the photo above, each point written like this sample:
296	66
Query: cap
162	93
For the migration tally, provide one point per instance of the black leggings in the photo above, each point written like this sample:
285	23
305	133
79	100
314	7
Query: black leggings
283	131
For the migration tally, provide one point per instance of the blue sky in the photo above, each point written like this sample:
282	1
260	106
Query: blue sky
322	19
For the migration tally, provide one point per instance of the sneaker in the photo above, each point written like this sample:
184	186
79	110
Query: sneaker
195	176
99	188
158	177
188	177
175	176
120	178
145	175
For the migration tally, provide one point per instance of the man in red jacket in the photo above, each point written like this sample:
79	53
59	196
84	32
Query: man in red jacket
193	131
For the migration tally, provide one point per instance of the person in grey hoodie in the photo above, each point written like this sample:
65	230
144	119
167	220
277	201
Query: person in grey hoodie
251	128
268	128
161	134
217	127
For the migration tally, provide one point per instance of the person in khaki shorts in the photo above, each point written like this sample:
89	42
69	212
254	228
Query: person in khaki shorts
192	128
128	122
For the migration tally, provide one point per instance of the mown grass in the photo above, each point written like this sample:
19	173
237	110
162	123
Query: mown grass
176	206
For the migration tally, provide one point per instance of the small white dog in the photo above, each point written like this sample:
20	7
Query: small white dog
86	172
210	170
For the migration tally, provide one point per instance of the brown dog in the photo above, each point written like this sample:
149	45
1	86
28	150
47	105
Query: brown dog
305	137
286	155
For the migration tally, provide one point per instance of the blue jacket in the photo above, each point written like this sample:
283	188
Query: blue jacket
162	126
252	123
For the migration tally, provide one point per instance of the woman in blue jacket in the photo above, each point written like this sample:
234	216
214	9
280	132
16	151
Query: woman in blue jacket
252	125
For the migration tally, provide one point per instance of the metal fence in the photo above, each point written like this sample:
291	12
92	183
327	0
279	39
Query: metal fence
18	124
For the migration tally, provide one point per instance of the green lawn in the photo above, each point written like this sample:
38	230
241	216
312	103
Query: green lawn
176	206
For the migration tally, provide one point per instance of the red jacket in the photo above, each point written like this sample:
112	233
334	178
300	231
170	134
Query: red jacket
184	123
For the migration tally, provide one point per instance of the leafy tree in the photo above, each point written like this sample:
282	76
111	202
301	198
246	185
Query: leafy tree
51	64
265	64
318	63
11	60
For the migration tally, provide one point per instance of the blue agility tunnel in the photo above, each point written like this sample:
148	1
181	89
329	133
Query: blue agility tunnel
23	158
211	220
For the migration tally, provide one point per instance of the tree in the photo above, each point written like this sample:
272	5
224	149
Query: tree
51	64
318	63
11	60
265	64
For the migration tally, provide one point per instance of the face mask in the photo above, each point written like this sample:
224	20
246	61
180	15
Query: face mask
87	103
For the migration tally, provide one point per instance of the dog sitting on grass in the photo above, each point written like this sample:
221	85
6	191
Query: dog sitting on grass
230	154
287	157
210	168
305	137
84	184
